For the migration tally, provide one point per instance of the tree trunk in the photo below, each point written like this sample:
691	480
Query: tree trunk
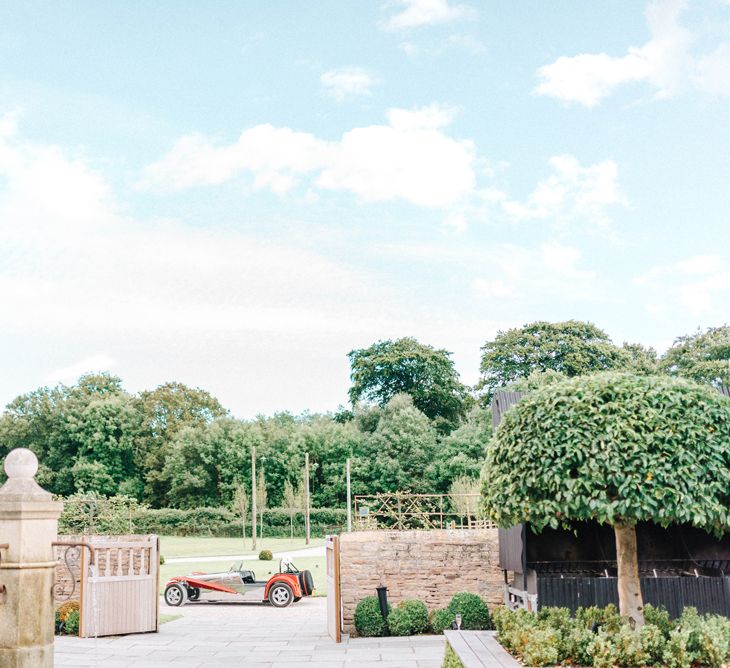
291	526
630	601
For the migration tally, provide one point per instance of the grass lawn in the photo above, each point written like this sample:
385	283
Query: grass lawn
263	569
188	546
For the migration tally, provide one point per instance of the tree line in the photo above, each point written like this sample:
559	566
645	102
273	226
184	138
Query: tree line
411	424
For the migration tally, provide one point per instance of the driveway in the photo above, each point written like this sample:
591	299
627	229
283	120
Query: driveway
235	634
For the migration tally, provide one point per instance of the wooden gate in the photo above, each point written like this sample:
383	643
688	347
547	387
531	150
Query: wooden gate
334	602
120	586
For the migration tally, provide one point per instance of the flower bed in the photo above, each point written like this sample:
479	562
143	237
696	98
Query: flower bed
599	637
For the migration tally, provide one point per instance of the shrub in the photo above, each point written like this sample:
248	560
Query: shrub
599	638
162	560
441	620
409	618
265	555
71	625
541	648
473	610
450	658
369	623
659	617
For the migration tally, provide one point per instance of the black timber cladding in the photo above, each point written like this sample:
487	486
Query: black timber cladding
708	595
502	402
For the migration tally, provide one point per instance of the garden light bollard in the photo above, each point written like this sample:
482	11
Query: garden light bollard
28	526
383	600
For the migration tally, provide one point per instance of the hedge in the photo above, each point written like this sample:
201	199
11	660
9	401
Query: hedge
222	522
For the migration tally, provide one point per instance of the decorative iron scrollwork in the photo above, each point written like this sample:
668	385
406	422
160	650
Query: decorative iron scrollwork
64	590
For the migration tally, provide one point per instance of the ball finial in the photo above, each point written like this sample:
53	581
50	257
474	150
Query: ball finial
21	464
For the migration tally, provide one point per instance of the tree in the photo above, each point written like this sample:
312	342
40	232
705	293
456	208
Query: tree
240	505
395	458
464	496
703	356
462	452
164	412
204	463
573	348
406	366
616	449
292	502
261	499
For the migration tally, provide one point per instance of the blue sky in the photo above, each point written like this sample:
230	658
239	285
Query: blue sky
236	194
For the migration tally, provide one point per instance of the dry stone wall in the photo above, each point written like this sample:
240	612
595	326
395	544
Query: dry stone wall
431	566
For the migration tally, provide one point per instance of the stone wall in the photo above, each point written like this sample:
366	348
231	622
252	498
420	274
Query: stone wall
428	565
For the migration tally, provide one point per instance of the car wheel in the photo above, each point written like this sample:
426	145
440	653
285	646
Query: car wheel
306	582
193	594
176	594
280	595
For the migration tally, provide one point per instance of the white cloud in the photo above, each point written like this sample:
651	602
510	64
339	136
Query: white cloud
549	269
713	71
411	158
71	373
347	82
571	193
71	264
699	284
664	63
416	13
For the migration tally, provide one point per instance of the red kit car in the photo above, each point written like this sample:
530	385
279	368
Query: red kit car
281	589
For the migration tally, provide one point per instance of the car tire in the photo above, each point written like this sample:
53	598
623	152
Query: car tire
193	594
306	582
281	595
176	594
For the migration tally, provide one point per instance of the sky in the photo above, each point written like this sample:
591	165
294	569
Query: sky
234	195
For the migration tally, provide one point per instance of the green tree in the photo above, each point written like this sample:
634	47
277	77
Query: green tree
292	502
396	456
617	449
462	452
572	348
703	356
164	412
205	463
240	505
92	424
406	366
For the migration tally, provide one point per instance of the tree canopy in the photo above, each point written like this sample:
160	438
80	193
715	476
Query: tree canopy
614	448
702	356
406	366
572	348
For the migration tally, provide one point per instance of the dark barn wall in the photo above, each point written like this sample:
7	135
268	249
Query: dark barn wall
707	594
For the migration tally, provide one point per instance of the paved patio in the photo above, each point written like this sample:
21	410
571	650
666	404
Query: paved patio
249	635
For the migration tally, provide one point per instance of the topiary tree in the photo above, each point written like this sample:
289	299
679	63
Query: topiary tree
618	449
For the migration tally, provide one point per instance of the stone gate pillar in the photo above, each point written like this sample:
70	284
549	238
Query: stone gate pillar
28	526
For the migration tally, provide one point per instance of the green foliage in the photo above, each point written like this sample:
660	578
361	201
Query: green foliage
409	618
89	512
541	648
265	555
612	447
442	619
703	356
71	625
397	455
451	660
222	522
572	348
552	636
368	620
405	366
462	452
473	610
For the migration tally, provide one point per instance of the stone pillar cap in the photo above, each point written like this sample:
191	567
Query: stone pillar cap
21	465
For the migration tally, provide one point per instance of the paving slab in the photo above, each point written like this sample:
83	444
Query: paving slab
212	635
